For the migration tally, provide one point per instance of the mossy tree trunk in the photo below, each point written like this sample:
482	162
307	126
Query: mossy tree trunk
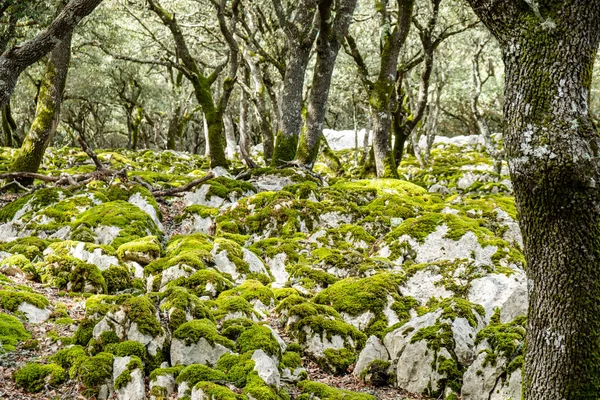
332	33
553	151
213	111
47	114
301	32
9	126
381	92
15	60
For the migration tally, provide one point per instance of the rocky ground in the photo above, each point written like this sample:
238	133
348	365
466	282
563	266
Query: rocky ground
278	285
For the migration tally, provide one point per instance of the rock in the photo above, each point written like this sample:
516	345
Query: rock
509	293
266	368
480	380
374	350
423	285
277	267
199	196
467	180
106	234
33	314
464	340
167	382
134	389
96	257
437	188
138	200
359	321
293	376
201	352
508	389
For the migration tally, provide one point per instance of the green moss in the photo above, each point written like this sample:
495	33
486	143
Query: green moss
285	149
141	250
11	300
12	332
125	377
142	312
231	305
130	348
197	283
70	358
217	392
173	371
95	371
34	377
237	367
257	389
179	302
35	201
251	290
259	337
117	278
30	247
291	360
133	222
505	340
337	361
192	331
66	272
199	373
322	391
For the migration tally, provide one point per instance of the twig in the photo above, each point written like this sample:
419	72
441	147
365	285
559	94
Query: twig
90	153
14	183
184	188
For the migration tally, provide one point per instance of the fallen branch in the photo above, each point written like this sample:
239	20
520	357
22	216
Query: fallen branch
184	188
90	153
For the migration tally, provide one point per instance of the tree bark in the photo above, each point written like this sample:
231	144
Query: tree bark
14	61
331	35
301	33
47	115
552	149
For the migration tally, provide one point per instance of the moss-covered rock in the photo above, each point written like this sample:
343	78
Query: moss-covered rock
12	332
34	377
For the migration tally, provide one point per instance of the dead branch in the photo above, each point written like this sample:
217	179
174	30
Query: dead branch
184	188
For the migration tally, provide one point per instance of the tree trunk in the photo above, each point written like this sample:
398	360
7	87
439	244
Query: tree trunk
329	42
47	114
14	61
9	126
231	148
553	155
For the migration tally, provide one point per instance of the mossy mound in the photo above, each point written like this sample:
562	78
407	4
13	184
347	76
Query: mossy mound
12	332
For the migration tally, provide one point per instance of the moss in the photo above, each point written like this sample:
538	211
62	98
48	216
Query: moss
124	192
70	359
66	272
337	361
133	222
192	331
64	321
141	250
310	277
199	373
34	377
251	290
197	283
84	332
322	391
199	210
226	188
285	149
125	377
35	201
291	360
180	302
12	332
95	371
505	340
232	305
237	367
376	373
259	337
173	371
357	296
217	392
30	247
11	300
130	348
17	261
257	389
117	278
142	312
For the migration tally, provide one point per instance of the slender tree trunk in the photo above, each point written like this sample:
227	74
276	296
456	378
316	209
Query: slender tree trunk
231	148
9	126
47	114
174	129
331	36
553	152
244	127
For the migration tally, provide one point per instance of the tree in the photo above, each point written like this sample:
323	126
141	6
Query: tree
15	60
334	26
552	148
47	115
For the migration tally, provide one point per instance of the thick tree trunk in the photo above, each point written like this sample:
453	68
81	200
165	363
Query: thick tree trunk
329	42
14	61
553	155
286	141
47	114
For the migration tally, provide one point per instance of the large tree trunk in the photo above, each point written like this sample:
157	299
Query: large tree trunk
330	40
47	114
553	155
14	61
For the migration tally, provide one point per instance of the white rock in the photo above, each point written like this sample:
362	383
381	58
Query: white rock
95	257
196	353
106	234
277	267
197	224
374	350
510	389
277	337
415	372
8	232
334	219
316	344
139	201
360	322
223	263
33	314
63	233
135	389
501	291
467	180
423	285
199	197
270	183
153	344
266	368
255	264
464	340
175	272
479	381
167	382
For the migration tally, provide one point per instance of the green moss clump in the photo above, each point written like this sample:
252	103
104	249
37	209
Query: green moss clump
505	340
192	331
251	290
12	332
259	337
117	278
125	377
66	272
30	247
133	222
142	312
217	392
237	367
290	359
199	373
130	348
143	250
95	371
70	358
34	377
11	300
337	361
233	305
322	391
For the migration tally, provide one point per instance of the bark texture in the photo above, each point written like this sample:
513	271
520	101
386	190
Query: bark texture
331	36
14	61
552	149
47	114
